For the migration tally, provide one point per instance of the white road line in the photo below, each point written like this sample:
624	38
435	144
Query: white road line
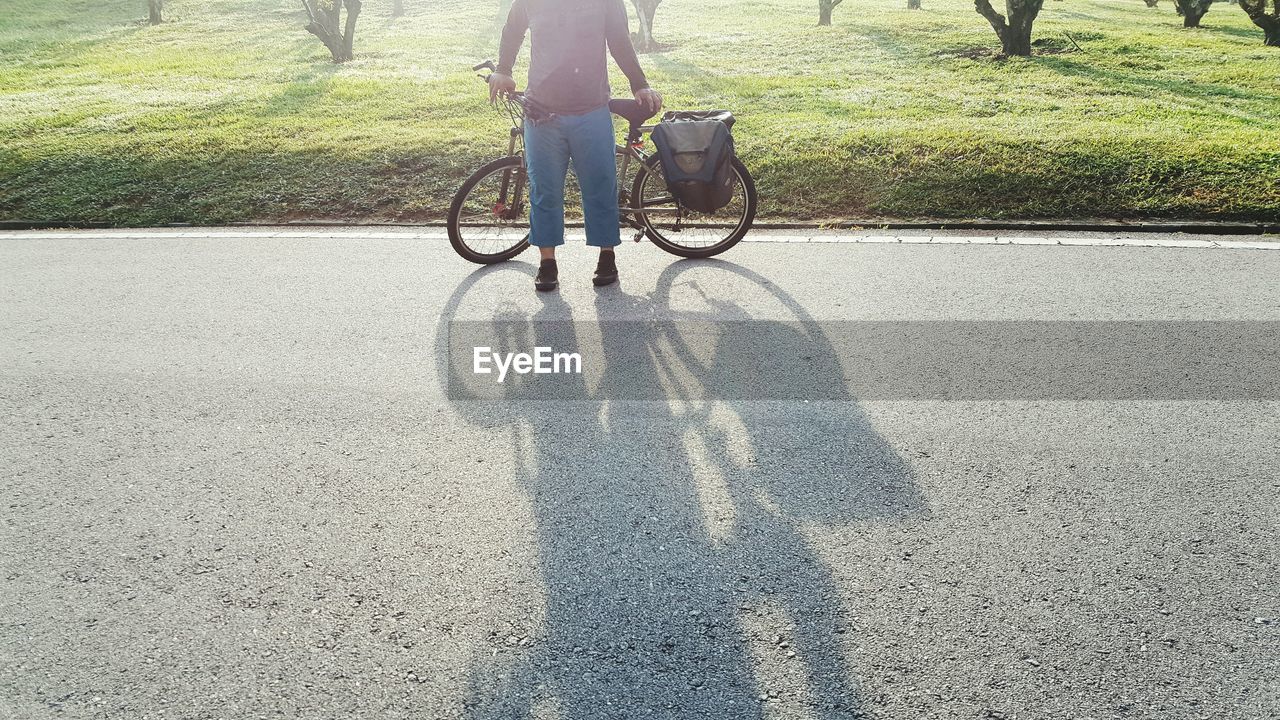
758	237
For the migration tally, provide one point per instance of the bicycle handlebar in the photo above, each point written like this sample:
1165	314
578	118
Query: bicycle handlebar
516	103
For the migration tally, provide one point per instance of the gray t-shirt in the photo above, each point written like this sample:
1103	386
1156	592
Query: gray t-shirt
568	71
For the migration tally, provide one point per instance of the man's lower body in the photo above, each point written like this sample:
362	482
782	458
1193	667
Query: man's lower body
586	141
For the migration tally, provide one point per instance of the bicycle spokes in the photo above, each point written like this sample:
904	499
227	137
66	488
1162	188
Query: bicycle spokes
681	231
489	220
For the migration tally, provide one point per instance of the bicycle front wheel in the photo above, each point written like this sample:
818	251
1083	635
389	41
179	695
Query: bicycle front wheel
686	233
489	216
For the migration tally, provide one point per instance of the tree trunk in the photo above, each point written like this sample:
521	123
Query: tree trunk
645	13
155	11
397	9
325	26
1269	22
824	11
1017	36
349	31
1191	11
1015	33
913	4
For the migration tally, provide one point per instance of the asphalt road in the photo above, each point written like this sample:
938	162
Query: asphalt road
235	486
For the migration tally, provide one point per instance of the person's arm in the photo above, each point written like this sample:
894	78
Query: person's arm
501	84
513	36
618	36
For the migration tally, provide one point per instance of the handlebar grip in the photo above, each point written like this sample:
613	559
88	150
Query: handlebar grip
486	65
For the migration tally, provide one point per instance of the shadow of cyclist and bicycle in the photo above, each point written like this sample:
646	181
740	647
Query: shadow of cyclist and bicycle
674	538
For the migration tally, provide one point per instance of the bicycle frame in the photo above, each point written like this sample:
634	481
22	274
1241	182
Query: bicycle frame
629	152
503	196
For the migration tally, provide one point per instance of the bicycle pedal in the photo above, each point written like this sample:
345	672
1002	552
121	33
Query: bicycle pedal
639	235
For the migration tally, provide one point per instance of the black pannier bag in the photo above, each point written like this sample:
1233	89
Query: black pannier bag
696	152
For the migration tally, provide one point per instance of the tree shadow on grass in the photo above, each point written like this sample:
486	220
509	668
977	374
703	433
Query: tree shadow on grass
53	40
1206	97
692	74
892	44
675	538
1040	48
1252	33
307	89
657	48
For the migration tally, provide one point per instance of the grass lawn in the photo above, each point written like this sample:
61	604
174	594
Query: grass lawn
231	112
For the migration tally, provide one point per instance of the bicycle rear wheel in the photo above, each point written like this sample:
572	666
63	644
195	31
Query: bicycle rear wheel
686	233
489	216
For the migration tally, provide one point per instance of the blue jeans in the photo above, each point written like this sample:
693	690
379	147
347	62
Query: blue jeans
549	146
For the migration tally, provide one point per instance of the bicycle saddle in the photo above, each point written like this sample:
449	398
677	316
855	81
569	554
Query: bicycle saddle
631	111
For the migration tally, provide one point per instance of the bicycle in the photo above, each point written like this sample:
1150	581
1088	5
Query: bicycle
488	218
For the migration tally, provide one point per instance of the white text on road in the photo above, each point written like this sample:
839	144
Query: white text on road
543	361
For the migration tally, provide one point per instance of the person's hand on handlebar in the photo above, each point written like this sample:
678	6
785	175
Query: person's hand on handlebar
649	99
500	85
